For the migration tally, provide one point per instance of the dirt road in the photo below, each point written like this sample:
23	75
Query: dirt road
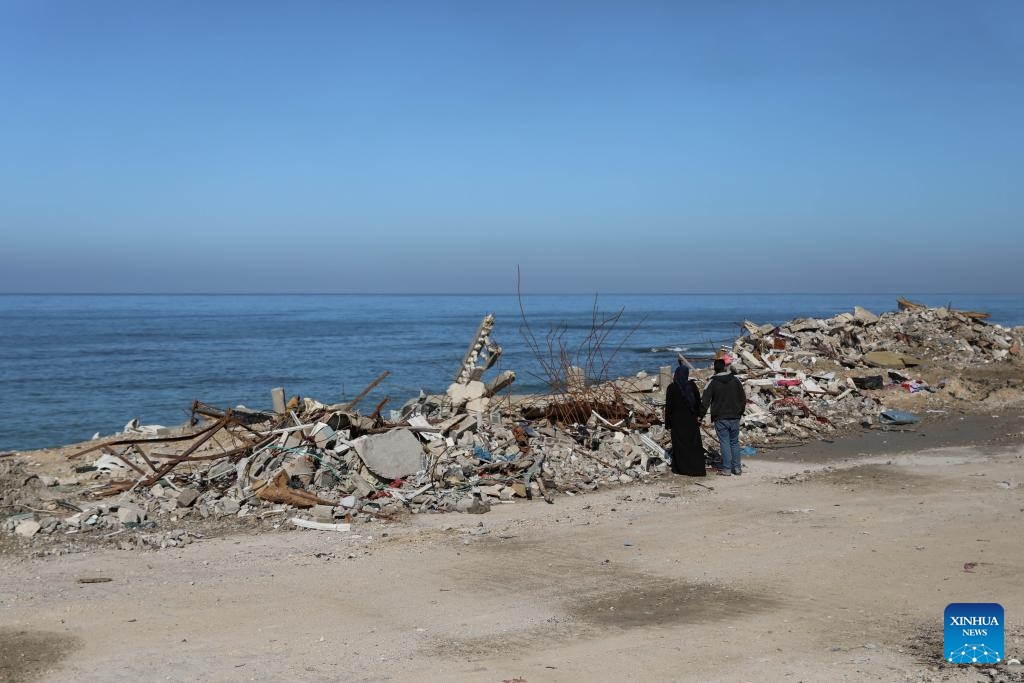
839	574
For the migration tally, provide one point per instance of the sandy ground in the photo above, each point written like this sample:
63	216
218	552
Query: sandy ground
831	562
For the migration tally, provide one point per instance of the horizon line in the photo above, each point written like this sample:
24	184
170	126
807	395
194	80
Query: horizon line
425	294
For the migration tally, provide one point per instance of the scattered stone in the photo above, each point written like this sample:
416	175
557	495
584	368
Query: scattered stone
473	506
28	528
130	515
229	506
187	497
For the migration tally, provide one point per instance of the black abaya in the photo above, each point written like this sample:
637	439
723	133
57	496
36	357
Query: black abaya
683	422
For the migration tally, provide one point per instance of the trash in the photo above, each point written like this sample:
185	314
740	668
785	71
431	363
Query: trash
871	382
110	463
94	579
747	451
897	417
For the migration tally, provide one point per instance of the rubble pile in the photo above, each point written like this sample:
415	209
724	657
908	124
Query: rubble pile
311	465
811	376
898	339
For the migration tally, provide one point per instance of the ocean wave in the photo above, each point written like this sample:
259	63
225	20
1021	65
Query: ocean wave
667	349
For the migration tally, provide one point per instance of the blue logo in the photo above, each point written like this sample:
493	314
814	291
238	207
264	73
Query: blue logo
973	633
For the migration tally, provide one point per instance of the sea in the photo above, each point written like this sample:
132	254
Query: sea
72	366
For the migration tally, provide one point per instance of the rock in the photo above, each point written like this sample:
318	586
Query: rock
359	486
187	497
130	515
228	506
472	506
324	479
392	509
28	528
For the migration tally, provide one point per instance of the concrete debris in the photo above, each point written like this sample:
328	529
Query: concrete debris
469	449
28	528
319	526
187	497
391	455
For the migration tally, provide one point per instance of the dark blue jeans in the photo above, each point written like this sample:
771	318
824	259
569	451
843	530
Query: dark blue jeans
728	432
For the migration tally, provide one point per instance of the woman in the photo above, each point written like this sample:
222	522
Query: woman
682	417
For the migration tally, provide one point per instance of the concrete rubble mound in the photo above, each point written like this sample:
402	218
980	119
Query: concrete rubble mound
311	465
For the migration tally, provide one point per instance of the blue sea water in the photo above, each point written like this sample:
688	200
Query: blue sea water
73	365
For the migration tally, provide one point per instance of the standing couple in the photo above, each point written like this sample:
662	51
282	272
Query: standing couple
685	408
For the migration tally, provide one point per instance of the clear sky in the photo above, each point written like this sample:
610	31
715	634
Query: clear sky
717	146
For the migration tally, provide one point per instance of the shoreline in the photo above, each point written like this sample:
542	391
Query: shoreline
830	559
605	586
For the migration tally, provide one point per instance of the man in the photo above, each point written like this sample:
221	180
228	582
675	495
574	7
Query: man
725	398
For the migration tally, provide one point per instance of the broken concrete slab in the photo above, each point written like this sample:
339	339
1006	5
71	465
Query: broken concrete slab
391	455
187	497
864	316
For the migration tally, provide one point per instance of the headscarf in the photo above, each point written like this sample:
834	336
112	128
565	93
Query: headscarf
682	380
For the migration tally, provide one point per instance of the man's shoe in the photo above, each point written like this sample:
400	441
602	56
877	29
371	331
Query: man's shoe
723	473
737	473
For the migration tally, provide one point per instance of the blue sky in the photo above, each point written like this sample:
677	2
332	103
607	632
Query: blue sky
434	147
